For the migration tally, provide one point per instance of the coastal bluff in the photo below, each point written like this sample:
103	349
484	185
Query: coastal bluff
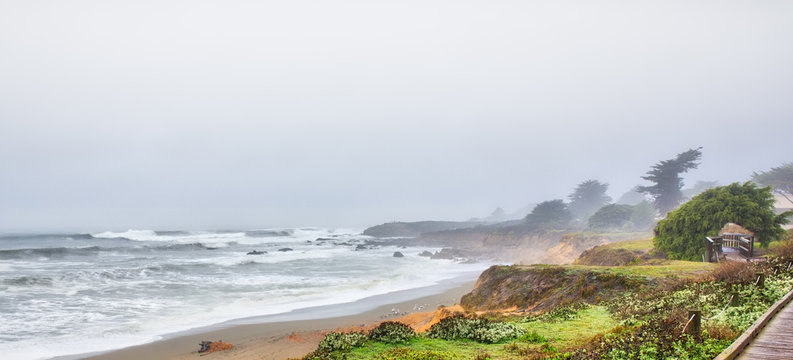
538	288
416	228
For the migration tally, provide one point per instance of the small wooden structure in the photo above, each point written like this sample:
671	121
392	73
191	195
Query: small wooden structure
714	246
713	249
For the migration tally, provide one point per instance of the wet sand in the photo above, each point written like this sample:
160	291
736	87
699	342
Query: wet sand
293	334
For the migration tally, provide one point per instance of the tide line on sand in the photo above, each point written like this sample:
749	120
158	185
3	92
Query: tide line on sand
294	334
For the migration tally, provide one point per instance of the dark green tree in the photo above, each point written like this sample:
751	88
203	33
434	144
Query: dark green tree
552	214
643	216
611	216
666	192
587	198
779	178
682	234
625	217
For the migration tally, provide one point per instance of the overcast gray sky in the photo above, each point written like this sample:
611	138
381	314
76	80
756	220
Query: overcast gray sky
212	114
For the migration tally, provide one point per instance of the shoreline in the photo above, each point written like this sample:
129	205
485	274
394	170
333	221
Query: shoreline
295	333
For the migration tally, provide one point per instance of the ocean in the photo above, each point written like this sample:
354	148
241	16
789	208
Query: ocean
68	294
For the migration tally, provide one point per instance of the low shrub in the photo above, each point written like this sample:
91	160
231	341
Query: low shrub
533	338
325	355
482	355
785	249
453	327
481	330
720	331
734	272
341	341
392	332
496	332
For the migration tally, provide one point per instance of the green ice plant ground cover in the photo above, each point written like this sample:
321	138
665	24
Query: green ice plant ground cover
641	324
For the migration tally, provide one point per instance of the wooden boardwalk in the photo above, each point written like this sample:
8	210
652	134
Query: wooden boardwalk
775	341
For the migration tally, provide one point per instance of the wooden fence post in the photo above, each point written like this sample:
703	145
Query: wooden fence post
760	282
695	324
708	250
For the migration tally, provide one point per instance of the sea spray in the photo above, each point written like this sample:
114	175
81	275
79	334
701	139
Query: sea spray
78	293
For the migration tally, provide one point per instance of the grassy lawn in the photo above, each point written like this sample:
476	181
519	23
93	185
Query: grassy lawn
589	322
632	245
653	269
559	334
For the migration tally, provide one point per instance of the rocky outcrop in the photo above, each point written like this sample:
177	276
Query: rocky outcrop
619	253
574	246
517	243
605	256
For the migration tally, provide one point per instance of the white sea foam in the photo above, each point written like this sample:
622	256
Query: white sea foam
129	234
121	293
191	237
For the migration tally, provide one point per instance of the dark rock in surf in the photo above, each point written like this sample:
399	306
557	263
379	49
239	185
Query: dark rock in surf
425	253
398	254
443	254
360	247
256	252
284	249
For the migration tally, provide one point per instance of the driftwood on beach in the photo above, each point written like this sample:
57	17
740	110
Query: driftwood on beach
212	346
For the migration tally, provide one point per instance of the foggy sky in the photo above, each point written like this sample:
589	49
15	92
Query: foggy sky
220	114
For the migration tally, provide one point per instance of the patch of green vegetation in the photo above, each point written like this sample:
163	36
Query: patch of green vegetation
643	322
392	332
543	337
446	349
586	323
478	329
776	244
651	322
613	236
632	245
653	268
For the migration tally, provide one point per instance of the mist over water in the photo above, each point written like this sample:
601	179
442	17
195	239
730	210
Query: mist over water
76	293
162	115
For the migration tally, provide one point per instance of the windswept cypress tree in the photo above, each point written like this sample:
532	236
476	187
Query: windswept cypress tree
552	214
666	176
779	178
587	198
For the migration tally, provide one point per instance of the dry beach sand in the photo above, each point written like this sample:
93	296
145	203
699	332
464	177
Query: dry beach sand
294	334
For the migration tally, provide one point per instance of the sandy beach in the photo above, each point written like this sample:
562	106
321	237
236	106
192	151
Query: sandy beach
294	334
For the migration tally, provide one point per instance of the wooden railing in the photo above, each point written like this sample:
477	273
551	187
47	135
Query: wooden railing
714	245
713	249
